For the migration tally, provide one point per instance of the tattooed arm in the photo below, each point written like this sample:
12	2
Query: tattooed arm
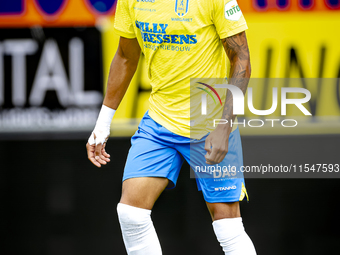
237	51
236	48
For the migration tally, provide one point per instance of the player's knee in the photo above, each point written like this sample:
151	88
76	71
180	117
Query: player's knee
232	237
132	216
138	231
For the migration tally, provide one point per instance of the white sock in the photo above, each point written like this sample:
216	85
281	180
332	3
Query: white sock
232	237
139	234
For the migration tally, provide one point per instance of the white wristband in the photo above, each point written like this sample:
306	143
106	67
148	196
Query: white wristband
102	128
105	116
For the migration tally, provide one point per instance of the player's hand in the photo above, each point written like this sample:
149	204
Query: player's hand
96	144
96	150
216	145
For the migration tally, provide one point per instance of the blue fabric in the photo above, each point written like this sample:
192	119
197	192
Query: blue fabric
157	152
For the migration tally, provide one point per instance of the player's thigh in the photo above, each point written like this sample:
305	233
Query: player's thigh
143	192
151	166
220	211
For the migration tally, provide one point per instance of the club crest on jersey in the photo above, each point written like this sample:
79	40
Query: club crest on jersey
181	7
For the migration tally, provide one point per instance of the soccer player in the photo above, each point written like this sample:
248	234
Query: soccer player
181	39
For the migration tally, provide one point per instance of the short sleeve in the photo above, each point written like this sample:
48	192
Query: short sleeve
228	18
123	24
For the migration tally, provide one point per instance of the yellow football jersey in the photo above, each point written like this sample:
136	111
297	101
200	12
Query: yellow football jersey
181	39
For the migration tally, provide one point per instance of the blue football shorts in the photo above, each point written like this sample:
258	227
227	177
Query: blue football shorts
157	152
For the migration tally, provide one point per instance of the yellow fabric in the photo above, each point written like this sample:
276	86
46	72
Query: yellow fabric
243	193
180	40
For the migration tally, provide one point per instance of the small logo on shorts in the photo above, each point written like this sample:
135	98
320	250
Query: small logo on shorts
225	188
